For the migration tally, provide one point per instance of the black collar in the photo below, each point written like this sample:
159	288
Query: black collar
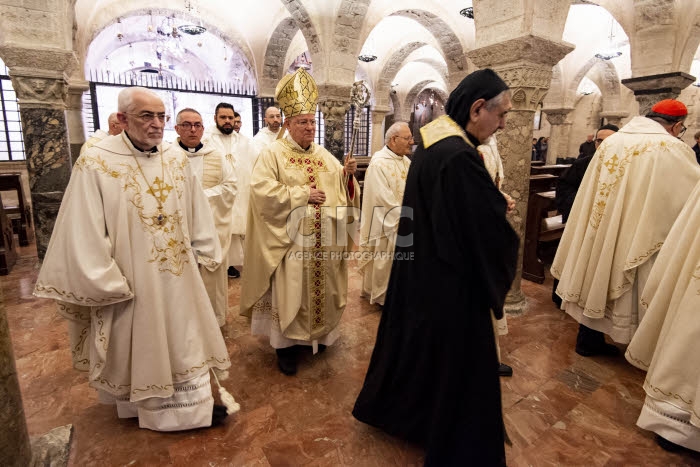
195	149
153	149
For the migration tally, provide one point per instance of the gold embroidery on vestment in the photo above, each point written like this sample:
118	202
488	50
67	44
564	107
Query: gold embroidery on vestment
170	247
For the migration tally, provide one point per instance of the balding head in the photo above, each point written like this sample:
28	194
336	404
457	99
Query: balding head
273	118
115	126
399	139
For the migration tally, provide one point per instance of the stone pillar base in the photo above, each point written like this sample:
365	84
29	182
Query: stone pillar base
53	448
516	303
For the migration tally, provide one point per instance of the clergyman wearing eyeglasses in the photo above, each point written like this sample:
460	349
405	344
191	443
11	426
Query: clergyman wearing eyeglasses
122	265
295	271
218	179
633	190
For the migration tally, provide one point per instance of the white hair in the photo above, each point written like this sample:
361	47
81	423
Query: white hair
126	97
394	130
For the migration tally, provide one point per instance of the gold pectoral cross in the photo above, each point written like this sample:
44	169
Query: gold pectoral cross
160	187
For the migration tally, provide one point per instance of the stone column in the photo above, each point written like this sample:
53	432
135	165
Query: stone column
14	442
525	63
40	79
559	136
614	117
648	90
378	130
334	102
74	116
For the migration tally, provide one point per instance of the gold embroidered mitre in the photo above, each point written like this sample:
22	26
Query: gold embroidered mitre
297	94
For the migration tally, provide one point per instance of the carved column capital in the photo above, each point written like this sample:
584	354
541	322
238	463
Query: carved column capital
40	76
558	116
648	90
74	100
525	64
39	88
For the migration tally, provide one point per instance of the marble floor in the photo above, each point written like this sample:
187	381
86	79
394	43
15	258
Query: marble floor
560	408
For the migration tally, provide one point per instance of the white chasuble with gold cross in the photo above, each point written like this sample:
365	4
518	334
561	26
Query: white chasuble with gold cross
296	250
122	262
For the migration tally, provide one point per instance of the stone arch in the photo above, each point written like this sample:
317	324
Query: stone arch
275	53
308	29
277	46
411	96
391	67
231	37
610	88
445	36
348	26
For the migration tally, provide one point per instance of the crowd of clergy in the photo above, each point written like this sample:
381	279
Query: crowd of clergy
149	234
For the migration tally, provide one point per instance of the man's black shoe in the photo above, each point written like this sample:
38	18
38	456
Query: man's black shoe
504	370
604	349
668	445
287	360
218	415
233	272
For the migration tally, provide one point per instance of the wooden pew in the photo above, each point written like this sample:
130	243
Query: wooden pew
536	163
20	214
540	183
540	226
555	169
8	246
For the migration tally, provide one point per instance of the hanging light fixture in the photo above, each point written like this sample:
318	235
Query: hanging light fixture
367	54
467	12
192	7
611	52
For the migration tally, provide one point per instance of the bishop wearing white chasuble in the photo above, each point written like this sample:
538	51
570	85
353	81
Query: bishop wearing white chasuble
122	264
218	180
384	184
294	284
632	192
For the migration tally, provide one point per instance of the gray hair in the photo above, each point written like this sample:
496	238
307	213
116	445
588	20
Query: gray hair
394	130
496	101
186	109
126	97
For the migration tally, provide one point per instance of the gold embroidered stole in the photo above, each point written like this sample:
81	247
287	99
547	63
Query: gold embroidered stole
441	128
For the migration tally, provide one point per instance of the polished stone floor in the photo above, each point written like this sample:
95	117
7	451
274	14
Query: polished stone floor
560	408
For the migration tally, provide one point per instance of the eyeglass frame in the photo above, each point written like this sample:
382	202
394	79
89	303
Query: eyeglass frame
187	126
148	117
683	130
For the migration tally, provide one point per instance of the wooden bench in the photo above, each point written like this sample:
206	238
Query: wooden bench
536	163
543	224
554	169
20	214
540	183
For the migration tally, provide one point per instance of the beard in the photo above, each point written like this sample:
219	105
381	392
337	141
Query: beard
227	130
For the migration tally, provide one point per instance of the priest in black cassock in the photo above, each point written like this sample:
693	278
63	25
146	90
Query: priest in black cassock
433	377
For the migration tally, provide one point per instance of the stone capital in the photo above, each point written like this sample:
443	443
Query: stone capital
558	116
525	64
662	83
531	49
74	99
650	89
614	114
39	88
